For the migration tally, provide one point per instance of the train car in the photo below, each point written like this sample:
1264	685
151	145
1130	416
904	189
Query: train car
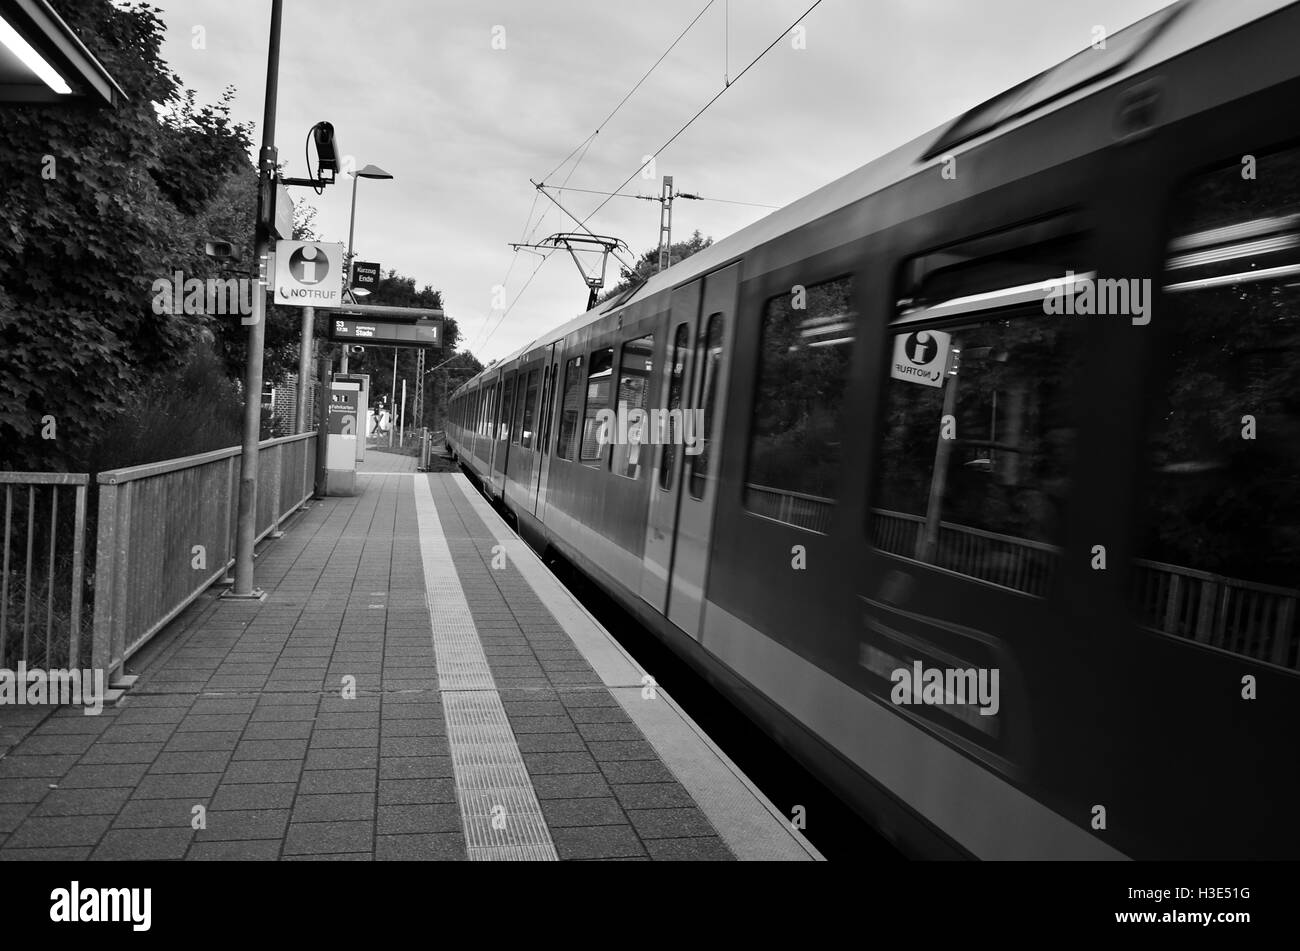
992	514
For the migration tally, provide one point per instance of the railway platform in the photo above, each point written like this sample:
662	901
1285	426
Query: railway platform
416	685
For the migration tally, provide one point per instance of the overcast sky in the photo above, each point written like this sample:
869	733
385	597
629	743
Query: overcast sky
416	87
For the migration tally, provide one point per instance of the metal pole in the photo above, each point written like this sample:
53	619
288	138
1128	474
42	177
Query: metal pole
352	222
304	367
246	527
665	223
929	541
347	276
322	426
401	432
392	400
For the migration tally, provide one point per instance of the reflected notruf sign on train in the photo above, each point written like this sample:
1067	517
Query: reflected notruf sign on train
426	332
921	357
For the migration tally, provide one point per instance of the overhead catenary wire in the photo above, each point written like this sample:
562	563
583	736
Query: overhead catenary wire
507	311
483	334
542	189
586	143
529	238
595	191
703	109
583	223
639	82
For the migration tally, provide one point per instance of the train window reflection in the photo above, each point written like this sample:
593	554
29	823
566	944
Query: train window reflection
794	448
677	360
527	409
545	408
974	459
507	403
711	355
630	450
599	371
1219	556
567	444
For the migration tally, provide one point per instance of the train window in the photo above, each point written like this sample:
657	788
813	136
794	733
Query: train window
677	359
507	404
635	364
600	370
1219	557
794	447
527	411
711	353
977	436
571	409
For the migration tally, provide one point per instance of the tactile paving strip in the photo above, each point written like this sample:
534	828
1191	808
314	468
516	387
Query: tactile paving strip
503	821
499	809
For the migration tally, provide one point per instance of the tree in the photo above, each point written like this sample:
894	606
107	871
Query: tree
96	206
229	217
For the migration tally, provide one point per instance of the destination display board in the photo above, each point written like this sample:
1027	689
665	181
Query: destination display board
426	332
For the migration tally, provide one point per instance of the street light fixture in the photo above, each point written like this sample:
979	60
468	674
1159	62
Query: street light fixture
370	171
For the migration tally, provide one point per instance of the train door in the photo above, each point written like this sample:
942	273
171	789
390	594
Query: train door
682	501
661	519
546	411
501	433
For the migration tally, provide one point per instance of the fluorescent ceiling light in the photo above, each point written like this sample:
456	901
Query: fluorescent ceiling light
32	59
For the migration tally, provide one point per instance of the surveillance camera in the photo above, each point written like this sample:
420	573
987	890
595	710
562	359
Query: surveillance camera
326	151
220	250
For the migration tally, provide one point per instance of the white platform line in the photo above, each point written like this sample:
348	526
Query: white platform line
498	805
752	827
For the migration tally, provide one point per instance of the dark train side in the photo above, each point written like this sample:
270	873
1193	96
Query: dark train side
992	514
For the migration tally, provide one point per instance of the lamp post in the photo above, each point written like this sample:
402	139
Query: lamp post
245	526
370	171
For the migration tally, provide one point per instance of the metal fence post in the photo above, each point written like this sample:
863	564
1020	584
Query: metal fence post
106	566
277	473
78	570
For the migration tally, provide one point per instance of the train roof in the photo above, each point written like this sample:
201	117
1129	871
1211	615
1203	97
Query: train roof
1169	32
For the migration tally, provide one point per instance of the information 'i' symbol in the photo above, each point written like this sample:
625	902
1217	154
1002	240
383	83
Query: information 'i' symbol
308	265
921	348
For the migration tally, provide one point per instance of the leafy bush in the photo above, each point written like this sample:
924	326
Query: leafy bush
195	409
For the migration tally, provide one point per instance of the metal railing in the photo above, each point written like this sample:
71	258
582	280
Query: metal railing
167	533
42	569
794	508
1004	560
1249	619
1254	620
394	440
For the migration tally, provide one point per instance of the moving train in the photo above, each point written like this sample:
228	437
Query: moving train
991	512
